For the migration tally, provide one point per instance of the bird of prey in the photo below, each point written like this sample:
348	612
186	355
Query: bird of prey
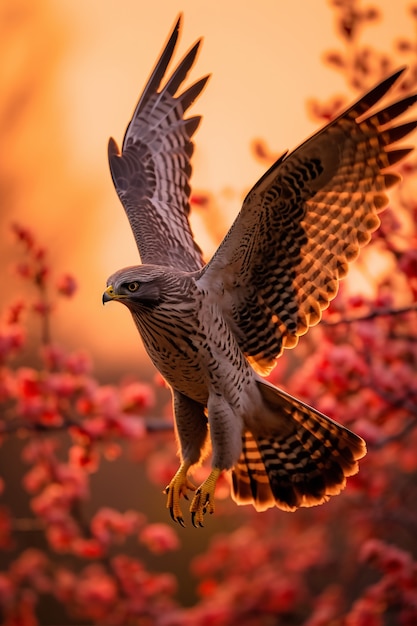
214	330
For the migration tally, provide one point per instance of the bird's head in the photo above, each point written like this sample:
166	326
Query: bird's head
136	287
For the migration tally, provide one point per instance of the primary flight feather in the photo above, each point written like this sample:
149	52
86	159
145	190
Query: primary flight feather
213	330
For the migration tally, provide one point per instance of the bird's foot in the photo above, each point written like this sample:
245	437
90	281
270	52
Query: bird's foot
178	487
203	500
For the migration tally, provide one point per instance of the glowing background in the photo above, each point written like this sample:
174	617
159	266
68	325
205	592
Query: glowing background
70	76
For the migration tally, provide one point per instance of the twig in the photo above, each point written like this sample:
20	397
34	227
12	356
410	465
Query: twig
152	425
371	315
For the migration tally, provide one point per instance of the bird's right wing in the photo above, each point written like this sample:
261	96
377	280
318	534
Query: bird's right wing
151	174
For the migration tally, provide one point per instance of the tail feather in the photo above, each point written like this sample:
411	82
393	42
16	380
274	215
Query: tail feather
249	477
303	463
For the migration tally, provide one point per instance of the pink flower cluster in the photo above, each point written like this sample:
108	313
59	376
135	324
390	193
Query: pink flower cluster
351	562
38	403
396	590
119	592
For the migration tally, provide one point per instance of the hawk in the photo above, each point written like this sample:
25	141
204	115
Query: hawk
214	330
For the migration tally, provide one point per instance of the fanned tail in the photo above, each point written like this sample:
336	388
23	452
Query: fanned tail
302	464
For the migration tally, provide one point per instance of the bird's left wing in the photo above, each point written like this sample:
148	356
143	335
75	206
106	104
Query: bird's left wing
306	218
151	174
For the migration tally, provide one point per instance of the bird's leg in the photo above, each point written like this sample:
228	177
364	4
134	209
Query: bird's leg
203	500
178	487
191	430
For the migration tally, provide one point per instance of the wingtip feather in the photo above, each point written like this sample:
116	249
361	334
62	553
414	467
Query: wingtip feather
182	69
377	92
191	93
112	148
158	72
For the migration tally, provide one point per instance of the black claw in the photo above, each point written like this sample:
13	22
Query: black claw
177	520
193	522
166	490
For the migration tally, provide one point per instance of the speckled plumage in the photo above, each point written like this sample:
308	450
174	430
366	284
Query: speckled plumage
214	329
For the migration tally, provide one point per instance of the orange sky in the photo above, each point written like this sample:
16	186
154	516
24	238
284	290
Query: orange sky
71	74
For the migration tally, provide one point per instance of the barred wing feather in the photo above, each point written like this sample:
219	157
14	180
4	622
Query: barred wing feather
152	172
303	222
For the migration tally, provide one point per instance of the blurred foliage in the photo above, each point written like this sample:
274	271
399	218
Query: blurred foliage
71	555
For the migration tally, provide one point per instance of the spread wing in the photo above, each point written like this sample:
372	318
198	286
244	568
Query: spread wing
302	223
151	174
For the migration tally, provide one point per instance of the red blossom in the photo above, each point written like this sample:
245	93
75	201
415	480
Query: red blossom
109	525
78	363
106	401
61	534
29	383
24	270
40	449
62	384
161	467
52	503
200	199
327	607
389	558
65	583
14	312
358	366
129	426
24	235
42	274
85	458
11	341
159	538
365	612
112	451
325	112
23	611
38	476
210	615
88	548
207	587
31	566
53	357
42	308
94	593
66	285
137	397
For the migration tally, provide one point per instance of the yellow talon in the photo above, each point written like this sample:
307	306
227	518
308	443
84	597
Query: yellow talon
203	500
178	487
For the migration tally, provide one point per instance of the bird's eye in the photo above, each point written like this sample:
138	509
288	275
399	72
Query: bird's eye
132	287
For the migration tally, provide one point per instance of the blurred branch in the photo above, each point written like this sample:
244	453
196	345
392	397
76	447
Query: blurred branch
152	425
371	315
399	436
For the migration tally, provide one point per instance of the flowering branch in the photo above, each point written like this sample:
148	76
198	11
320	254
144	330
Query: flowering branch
370	316
352	561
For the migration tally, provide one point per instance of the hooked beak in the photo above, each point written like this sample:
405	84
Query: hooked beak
109	294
